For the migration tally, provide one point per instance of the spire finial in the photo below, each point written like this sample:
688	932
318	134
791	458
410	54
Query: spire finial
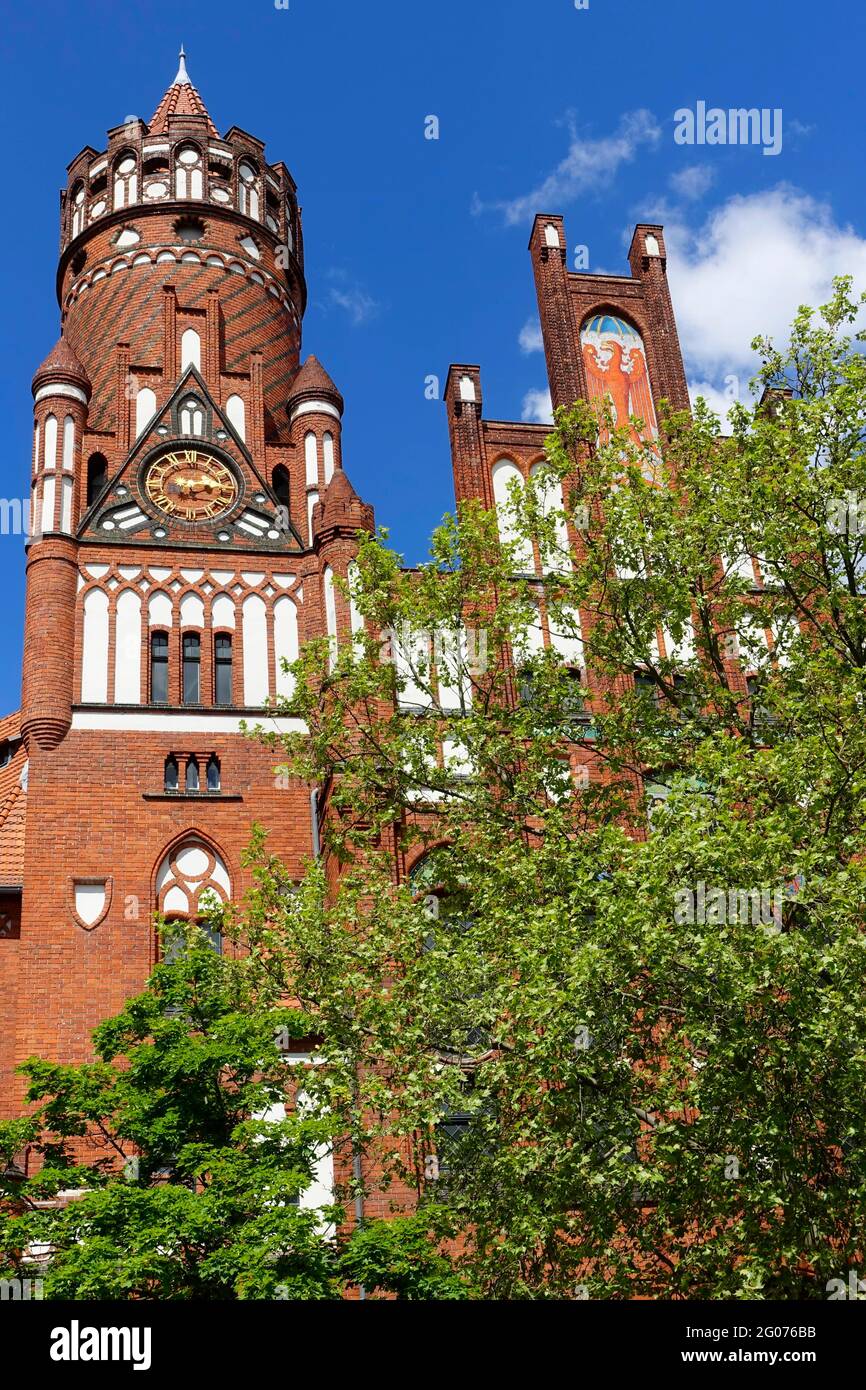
183	78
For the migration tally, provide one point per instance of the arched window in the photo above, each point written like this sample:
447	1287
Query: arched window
193	782
328	455
311	459
223	683
285	644
77	209
159	668
69	443
507	488
170	780
255	634
236	412
127	648
192	417
94	663
556	556
145	408
248	192
188	176
330	613
213	773
191	668
190	350
125	180
50	455
281	485
191	881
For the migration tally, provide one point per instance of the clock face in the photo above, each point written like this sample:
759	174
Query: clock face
191	485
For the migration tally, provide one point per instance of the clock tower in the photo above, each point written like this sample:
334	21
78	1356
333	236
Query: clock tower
189	516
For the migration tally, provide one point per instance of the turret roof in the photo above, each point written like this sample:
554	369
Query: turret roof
61	364
181	99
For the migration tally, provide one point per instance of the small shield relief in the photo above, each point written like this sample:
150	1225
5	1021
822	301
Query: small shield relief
91	900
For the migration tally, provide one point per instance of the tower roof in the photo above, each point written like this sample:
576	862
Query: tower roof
181	99
313	381
341	510
61	364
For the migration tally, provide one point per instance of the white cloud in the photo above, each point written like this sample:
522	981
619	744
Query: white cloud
746	271
538	407
721	400
530	337
351	297
588	164
693	182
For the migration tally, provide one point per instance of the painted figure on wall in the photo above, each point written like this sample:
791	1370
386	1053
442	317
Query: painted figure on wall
616	367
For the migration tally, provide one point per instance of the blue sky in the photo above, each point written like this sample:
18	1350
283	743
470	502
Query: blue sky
416	249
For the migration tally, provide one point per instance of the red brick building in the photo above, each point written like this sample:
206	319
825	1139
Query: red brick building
190	511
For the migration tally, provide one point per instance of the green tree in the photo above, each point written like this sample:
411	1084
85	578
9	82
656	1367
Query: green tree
179	1155
613	1032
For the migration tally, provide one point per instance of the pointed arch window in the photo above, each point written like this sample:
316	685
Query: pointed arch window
171	782
213	773
193	781
188	173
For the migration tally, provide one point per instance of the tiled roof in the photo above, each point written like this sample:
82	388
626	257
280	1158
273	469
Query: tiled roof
181	99
313	380
61	364
13	805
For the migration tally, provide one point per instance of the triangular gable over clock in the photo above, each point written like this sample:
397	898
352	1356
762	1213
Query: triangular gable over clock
190	478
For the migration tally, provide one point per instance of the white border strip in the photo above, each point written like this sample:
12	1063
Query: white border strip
152	722
316	408
60	390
